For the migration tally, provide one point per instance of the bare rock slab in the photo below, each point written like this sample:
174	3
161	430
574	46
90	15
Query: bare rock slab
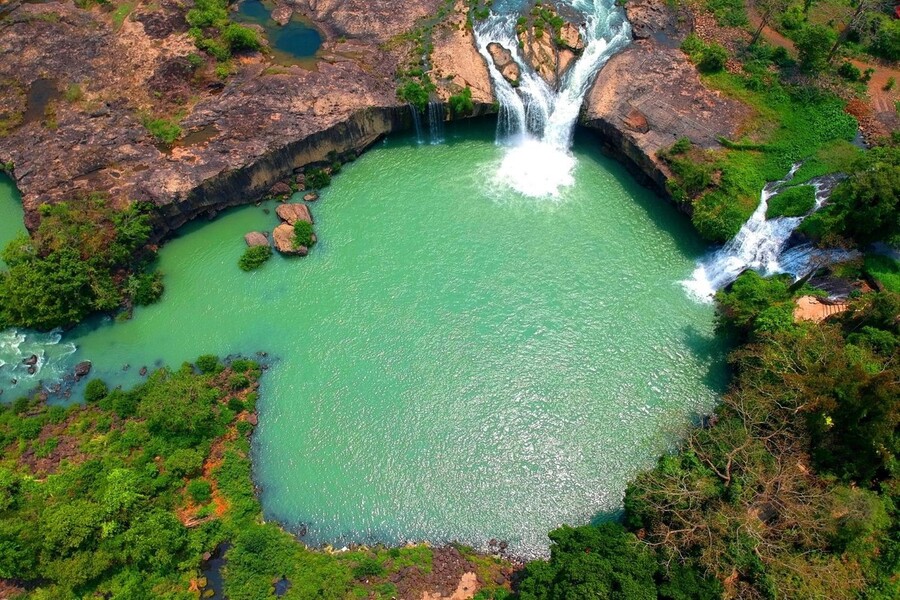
256	238
292	212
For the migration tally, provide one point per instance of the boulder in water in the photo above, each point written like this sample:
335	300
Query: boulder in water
570	37
311	197
82	369
293	212
256	238
284	241
280	190
31	360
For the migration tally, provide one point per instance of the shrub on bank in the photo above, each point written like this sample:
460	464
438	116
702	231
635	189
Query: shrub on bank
303	234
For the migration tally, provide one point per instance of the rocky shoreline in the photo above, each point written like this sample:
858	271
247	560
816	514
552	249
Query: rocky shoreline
265	124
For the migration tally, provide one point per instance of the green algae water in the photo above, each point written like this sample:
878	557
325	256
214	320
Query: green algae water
453	361
11	215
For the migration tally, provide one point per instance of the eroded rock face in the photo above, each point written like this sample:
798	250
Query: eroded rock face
551	56
649	95
456	62
292	212
269	120
503	59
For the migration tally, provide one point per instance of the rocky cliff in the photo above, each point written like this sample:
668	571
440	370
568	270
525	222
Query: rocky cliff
649	95
79	87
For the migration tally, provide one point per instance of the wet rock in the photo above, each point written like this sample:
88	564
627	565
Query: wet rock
31	360
292	212
32	370
571	38
280	189
143	372
284	241
82	369
311	197
256	238
253	419
503	59
282	14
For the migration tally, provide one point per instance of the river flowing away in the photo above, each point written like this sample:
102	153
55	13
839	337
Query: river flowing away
451	362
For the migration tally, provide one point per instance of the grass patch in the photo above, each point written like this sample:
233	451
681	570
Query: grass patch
254	257
884	270
793	202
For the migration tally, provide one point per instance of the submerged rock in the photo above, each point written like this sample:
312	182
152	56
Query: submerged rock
282	14
256	238
311	197
284	241
293	212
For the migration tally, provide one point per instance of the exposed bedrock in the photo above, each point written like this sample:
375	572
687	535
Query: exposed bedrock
650	95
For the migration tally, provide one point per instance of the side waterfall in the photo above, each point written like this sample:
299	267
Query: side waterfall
436	122
537	122
417	122
760	245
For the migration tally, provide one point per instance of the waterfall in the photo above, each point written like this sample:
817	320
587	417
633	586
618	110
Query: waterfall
537	122
760	245
436	122
417	122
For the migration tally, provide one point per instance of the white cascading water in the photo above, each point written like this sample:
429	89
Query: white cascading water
537	122
760	246
17	347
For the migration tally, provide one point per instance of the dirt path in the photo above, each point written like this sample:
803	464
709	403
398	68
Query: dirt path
882	101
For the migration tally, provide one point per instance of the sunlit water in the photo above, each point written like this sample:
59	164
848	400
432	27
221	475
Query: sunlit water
453	361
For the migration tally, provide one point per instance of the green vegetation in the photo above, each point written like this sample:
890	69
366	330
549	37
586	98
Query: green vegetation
95	391
303	234
793	202
790	124
254	257
461	103
121	498
214	33
884	270
317	179
76	263
73	93
414	93
164	130
864	208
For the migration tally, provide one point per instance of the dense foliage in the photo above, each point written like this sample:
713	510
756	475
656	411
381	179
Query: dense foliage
303	234
214	33
866	207
793	202
77	262
254	257
793	490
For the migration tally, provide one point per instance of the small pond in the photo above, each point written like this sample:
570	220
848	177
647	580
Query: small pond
295	43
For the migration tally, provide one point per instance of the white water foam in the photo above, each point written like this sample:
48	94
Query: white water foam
537	122
760	245
18	346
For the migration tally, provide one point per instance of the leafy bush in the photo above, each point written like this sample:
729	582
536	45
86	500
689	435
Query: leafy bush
145	288
318	179
887	41
208	13
731	13
848	70
95	391
713	59
461	103
367	567
414	93
793	202
303	234
884	270
254	257
240	38
813	43
200	491
208	363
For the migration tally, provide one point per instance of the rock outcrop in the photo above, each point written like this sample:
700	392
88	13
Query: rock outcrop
268	120
292	212
284	241
256	238
650	95
550	54
503	60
